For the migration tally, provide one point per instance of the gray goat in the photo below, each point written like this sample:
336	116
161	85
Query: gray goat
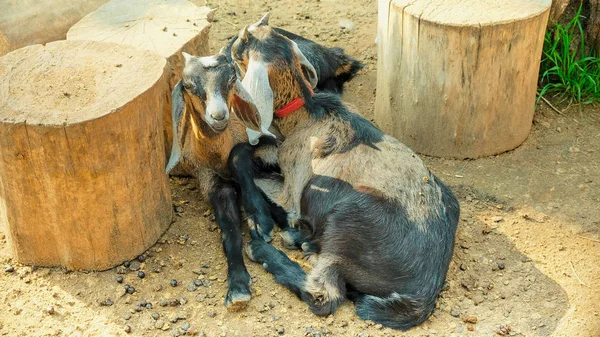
379	223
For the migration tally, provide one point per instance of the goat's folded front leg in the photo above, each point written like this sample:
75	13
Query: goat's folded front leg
259	210
224	200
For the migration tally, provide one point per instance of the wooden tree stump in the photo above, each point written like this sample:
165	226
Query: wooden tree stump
166	27
563	11
27	22
82	181
458	78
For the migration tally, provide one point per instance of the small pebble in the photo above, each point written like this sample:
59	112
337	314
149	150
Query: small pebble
141	258
135	266
212	314
148	305
49	310
185	326
155	316
192	287
127	329
164	303
119	279
127	316
126	264
106	303
173	283
141	274
198	283
470	327
121	270
501	266
130	290
463	267
280	331
206	265
173	302
469	319
454	313
138	308
9	269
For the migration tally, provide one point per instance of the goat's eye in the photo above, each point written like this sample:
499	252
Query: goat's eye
187	85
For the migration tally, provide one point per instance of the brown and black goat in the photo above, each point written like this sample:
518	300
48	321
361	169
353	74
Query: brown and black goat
379	223
203	135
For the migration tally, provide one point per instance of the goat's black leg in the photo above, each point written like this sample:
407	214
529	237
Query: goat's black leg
258	209
224	200
285	271
323	290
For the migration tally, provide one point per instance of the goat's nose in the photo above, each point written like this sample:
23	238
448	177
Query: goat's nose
218	115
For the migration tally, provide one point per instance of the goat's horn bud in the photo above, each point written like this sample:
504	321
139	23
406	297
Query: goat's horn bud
264	21
244	34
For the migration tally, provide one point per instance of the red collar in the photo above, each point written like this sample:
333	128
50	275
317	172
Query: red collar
292	106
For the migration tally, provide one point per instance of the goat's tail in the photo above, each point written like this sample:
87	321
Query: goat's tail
396	311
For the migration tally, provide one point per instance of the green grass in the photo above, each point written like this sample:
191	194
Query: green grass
567	71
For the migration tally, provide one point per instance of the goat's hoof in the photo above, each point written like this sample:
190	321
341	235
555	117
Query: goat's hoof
237	300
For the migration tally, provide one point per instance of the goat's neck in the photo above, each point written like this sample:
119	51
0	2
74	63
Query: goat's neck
206	147
289	89
287	124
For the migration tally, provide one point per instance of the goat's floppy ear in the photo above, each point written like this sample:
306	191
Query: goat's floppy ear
256	83
307	68
244	108
176	114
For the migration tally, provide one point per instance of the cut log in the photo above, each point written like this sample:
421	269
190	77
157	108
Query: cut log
458	78
166	27
82	182
27	22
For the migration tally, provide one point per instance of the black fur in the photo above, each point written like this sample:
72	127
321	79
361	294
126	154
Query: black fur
285	271
224	200
245	167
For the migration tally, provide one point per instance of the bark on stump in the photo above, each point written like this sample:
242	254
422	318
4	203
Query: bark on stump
166	27
563	11
458	78
27	22
82	182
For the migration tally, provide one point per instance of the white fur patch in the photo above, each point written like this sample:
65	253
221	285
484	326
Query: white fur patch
209	61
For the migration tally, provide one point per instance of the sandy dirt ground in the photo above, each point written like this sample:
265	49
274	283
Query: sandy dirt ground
526	255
